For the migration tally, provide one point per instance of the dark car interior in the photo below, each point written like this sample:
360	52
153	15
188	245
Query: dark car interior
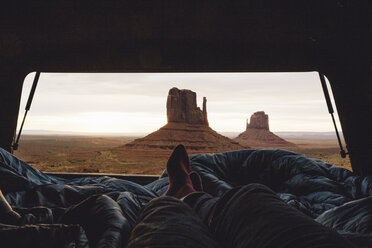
331	37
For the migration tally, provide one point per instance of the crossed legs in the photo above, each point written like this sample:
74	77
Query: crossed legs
248	216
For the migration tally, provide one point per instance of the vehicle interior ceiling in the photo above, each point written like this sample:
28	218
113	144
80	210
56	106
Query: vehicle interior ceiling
332	37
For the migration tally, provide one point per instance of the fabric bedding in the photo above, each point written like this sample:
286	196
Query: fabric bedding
333	196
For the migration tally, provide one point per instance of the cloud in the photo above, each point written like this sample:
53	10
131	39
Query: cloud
292	100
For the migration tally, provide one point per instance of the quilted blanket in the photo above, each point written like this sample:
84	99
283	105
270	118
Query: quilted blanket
333	196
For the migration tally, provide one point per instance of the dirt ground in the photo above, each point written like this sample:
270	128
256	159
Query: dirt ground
107	154
323	149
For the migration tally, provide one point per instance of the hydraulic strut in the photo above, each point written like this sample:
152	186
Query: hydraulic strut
28	105
331	111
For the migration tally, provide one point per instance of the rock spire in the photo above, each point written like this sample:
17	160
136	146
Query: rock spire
182	108
187	125
258	135
258	120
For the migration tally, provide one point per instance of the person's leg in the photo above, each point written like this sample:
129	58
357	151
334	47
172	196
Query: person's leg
7	214
253	216
168	222
23	216
178	170
249	216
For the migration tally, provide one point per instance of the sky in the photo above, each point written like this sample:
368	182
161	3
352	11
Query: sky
136	102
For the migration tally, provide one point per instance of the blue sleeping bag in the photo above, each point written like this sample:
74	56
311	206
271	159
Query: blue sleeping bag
333	196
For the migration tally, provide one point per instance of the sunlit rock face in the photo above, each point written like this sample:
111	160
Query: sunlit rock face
182	107
187	125
258	135
259	120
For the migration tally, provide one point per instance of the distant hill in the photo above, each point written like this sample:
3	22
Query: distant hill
70	133
257	133
194	137
308	135
294	135
283	134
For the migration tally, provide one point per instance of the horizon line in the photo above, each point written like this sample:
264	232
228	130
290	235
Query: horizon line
134	132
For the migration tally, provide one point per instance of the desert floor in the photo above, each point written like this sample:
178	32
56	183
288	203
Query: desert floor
107	154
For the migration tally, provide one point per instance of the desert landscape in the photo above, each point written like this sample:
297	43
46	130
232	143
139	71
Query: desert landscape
91	154
187	124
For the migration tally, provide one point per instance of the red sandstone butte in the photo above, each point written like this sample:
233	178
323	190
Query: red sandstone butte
187	125
258	135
